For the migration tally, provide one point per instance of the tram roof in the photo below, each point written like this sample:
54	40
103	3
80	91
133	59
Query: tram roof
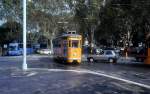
67	35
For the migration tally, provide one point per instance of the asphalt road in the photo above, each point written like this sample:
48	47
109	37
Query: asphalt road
47	77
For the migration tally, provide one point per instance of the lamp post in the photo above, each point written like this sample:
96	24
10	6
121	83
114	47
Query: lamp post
24	65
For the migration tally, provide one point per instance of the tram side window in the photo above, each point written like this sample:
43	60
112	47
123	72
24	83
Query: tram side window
69	43
65	44
80	44
75	43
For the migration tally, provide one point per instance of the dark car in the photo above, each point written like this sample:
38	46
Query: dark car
141	55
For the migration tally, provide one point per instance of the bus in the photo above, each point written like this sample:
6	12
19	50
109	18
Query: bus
68	48
16	49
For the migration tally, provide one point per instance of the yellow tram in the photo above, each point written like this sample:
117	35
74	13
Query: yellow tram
68	48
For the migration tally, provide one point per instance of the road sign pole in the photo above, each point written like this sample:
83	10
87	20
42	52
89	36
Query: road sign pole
24	65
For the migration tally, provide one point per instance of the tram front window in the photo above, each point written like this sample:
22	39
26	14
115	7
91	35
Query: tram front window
75	43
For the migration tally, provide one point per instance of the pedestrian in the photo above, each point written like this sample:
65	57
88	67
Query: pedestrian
126	52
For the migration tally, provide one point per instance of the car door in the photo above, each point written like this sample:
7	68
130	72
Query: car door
101	56
108	54
96	56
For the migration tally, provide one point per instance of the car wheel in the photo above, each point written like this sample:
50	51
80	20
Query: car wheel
111	60
138	59
141	60
91	59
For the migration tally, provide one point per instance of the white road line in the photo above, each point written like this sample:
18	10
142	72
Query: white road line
95	73
31	74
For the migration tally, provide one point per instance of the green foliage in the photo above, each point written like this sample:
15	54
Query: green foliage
119	18
87	16
45	14
9	32
11	9
111	21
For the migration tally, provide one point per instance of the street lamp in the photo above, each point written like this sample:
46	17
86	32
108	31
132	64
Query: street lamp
24	65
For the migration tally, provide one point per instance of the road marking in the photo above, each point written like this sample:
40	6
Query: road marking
31	74
95	73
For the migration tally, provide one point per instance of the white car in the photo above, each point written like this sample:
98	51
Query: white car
105	55
44	51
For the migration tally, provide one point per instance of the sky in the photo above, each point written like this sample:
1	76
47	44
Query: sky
2	22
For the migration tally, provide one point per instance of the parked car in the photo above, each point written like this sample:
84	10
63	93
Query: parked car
44	51
105	55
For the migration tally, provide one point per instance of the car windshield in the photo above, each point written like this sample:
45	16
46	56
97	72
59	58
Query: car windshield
12	48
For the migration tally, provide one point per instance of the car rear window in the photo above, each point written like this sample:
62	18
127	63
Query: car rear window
108	53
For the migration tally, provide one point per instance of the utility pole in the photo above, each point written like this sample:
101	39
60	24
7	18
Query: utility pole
24	65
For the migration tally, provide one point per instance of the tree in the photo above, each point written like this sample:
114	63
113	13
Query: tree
10	33
11	10
45	15
87	17
127	20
